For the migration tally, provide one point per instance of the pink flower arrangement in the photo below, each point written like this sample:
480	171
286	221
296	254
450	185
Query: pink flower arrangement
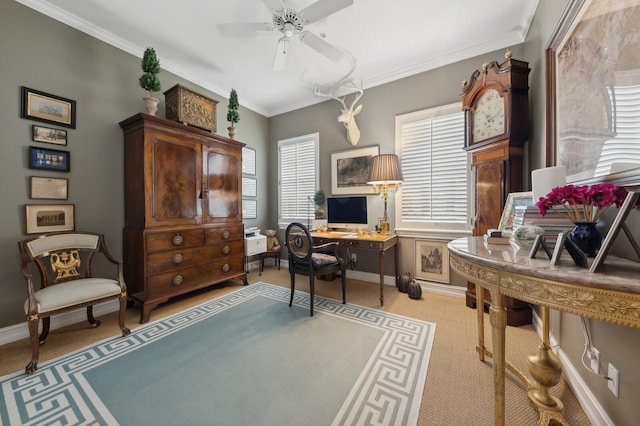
583	203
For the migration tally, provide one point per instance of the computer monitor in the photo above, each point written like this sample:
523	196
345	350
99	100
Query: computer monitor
347	212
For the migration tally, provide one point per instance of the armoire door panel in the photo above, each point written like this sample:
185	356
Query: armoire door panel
176	182
223	186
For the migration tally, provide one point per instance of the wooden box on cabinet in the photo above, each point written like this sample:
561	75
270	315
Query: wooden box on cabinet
183	213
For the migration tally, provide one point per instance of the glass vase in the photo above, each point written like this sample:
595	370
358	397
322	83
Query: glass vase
587	237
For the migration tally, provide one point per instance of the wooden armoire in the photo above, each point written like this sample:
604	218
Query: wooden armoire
183	210
496	105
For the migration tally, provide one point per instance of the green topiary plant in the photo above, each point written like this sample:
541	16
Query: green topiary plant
232	108
151	67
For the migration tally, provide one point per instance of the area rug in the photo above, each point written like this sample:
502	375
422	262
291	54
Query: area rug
245	358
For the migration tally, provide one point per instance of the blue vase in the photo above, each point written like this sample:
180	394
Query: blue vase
587	237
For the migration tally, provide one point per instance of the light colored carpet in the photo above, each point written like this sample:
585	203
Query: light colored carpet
215	363
458	389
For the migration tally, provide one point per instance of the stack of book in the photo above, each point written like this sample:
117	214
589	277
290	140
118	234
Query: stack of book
555	221
495	237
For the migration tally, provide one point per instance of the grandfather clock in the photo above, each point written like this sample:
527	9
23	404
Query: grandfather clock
495	101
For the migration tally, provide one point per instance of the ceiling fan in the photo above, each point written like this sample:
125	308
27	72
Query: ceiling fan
290	22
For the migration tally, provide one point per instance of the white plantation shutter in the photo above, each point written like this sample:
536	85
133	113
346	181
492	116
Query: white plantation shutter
298	178
434	165
623	147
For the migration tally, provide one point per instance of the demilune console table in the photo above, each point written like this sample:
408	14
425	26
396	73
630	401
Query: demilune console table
378	242
612	294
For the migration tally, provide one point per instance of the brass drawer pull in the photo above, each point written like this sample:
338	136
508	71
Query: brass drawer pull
177	280
226	267
226	234
177	258
226	250
177	240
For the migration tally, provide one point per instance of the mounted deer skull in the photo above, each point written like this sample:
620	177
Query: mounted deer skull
347	117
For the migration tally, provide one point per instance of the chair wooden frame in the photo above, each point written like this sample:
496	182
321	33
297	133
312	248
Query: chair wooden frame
304	259
63	260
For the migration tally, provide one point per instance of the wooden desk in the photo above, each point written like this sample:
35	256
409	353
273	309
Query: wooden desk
378	242
612	294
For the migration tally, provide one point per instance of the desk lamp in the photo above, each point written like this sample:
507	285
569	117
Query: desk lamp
385	175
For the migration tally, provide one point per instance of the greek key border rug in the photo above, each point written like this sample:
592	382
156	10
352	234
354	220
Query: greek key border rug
349	365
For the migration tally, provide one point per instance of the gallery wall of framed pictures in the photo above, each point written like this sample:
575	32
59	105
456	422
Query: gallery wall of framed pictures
56	111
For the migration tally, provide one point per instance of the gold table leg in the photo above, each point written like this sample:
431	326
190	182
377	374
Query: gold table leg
546	371
498	318
480	315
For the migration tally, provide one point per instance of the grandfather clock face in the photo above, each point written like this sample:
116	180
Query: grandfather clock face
488	116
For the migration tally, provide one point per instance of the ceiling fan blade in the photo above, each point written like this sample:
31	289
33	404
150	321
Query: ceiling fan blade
321	46
282	51
274	4
245	28
322	9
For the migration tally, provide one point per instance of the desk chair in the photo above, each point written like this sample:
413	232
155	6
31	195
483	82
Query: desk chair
307	259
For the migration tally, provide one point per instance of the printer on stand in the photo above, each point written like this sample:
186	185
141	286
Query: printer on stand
254	244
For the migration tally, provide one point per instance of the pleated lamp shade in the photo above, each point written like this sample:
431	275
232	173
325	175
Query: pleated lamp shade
385	169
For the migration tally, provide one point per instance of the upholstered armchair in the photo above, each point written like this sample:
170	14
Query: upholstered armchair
312	261
64	262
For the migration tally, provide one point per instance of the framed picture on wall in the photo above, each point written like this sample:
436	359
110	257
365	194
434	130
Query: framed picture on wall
249	209
432	261
350	171
249	187
48	188
48	135
48	159
41	106
248	161
42	218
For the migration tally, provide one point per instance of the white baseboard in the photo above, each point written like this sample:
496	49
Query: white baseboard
589	403
20	331
443	289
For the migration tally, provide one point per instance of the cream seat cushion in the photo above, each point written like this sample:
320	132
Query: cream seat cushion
73	293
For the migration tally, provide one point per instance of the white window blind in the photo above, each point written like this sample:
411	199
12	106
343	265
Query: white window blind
435	169
623	147
298	178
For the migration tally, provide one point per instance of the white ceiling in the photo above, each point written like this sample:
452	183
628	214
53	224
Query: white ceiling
388	40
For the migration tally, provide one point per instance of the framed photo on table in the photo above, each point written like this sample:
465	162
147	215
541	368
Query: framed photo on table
513	199
48	108
350	171
432	261
42	218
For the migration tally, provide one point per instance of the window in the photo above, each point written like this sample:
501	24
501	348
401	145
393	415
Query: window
434	194
298	178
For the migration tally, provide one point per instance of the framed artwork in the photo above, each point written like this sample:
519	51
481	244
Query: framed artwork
249	209
47	188
42	218
350	171
248	161
48	159
48	135
41	106
513	199
432	261
587	112
249	187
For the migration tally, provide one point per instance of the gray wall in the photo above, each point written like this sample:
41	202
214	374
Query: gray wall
43	54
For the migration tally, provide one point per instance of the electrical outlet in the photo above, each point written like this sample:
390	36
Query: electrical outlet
354	257
595	360
613	376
